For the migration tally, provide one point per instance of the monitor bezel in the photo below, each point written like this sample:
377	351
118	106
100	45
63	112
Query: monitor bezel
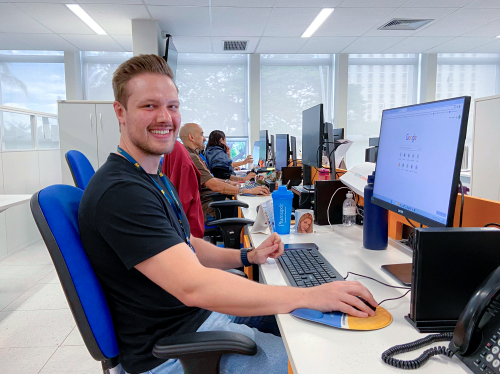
282	137
265	148
321	138
456	174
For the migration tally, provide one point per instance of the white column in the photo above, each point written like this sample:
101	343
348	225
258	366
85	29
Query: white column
146	37
428	76
254	81
73	75
340	92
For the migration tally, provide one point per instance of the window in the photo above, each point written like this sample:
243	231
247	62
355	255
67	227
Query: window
364	110
32	80
47	133
291	84
213	91
478	75
98	69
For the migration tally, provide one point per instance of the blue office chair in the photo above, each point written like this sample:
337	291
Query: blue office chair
80	167
55	210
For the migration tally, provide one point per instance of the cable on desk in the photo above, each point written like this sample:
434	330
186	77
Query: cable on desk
395	298
492	224
373	279
424	357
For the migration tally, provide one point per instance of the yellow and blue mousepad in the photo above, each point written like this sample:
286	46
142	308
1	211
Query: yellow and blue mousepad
381	319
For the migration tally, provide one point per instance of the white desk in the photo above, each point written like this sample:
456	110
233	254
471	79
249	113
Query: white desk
8	201
315	349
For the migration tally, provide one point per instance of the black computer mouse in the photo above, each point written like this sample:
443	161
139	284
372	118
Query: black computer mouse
367	304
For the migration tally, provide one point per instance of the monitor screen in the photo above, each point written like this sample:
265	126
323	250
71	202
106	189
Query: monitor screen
312	135
282	151
171	55
255	153
263	145
419	157
293	146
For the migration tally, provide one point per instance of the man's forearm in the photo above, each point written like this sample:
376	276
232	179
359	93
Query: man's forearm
212	256
218	185
234	178
238	163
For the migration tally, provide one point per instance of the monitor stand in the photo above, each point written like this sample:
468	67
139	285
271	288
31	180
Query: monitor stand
308	187
400	272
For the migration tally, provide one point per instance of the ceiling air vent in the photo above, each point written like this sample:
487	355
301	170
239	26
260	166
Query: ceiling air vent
235	45
405	24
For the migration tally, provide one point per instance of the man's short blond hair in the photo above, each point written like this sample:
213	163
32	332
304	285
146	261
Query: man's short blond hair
137	65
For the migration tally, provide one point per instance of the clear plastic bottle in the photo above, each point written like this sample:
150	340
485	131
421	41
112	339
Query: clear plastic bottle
349	210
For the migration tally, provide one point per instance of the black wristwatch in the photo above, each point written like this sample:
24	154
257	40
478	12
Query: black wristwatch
244	257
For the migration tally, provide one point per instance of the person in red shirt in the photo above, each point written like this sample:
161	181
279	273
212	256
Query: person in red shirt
180	169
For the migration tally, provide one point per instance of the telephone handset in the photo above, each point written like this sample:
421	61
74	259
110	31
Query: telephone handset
476	339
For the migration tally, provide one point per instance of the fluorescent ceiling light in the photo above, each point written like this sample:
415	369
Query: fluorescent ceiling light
318	21
498	36
84	16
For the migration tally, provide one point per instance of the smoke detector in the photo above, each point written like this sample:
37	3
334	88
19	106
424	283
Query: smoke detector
404	24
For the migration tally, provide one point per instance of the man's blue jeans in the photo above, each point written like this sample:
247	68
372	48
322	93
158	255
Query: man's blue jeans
271	357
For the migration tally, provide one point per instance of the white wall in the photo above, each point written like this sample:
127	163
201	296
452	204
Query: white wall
24	172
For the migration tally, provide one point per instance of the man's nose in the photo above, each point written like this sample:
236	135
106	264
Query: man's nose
164	116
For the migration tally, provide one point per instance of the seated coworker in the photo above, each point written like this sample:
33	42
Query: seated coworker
180	170
158	279
217	153
193	139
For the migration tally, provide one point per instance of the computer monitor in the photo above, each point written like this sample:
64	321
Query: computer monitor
282	151
312	136
271	153
293	149
419	157
264	145
256	152
171	54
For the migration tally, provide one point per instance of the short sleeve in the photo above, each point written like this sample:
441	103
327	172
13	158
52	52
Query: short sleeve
205	173
134	223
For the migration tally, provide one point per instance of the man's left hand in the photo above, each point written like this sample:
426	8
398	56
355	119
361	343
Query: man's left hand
272	247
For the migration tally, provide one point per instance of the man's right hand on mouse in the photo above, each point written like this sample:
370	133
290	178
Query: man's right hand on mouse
341	296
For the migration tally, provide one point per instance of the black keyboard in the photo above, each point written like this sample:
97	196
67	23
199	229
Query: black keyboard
306	267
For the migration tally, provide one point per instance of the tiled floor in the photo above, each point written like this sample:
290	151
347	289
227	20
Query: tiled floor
37	331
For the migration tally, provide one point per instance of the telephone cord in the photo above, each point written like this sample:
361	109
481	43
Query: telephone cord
424	357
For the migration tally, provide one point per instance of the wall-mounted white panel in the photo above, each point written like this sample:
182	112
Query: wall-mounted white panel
108	131
485	180
4	250
50	168
21	227
20	172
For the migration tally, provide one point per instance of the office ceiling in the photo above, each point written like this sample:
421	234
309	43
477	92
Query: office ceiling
270	26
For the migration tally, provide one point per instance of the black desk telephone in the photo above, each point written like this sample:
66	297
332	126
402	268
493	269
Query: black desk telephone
476	339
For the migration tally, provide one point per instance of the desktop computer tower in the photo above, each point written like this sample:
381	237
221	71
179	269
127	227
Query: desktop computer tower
448	266
322	195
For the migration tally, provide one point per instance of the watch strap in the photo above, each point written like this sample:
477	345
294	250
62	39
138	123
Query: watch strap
244	257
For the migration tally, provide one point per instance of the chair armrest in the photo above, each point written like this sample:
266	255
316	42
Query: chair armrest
224	203
231	230
197	343
226	208
237	272
200	352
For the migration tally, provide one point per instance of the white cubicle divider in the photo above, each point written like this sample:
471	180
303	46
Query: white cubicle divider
90	127
485	178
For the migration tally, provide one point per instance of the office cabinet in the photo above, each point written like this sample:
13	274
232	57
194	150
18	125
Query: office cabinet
90	127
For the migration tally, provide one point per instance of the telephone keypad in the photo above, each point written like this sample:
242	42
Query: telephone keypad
490	357
495	363
495	350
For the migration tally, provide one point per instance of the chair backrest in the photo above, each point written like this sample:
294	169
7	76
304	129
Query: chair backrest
80	167
55	210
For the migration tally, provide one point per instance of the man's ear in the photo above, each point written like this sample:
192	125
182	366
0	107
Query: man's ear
191	137
120	112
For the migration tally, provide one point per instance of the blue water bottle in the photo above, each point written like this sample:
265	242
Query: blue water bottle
282	207
375	222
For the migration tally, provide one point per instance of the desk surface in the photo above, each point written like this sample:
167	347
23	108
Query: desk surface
8	201
313	348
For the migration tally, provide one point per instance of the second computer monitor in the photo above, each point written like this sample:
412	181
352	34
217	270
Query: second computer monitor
293	149
264	145
312	136
282	151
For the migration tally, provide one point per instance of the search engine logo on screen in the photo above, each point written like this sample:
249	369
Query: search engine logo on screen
411	138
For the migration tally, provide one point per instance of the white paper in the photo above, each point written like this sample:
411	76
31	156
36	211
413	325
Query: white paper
264	222
341	150
356	178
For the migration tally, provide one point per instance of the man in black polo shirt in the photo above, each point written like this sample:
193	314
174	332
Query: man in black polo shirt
158	279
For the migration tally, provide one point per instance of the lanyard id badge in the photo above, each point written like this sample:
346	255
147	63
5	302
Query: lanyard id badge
169	195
